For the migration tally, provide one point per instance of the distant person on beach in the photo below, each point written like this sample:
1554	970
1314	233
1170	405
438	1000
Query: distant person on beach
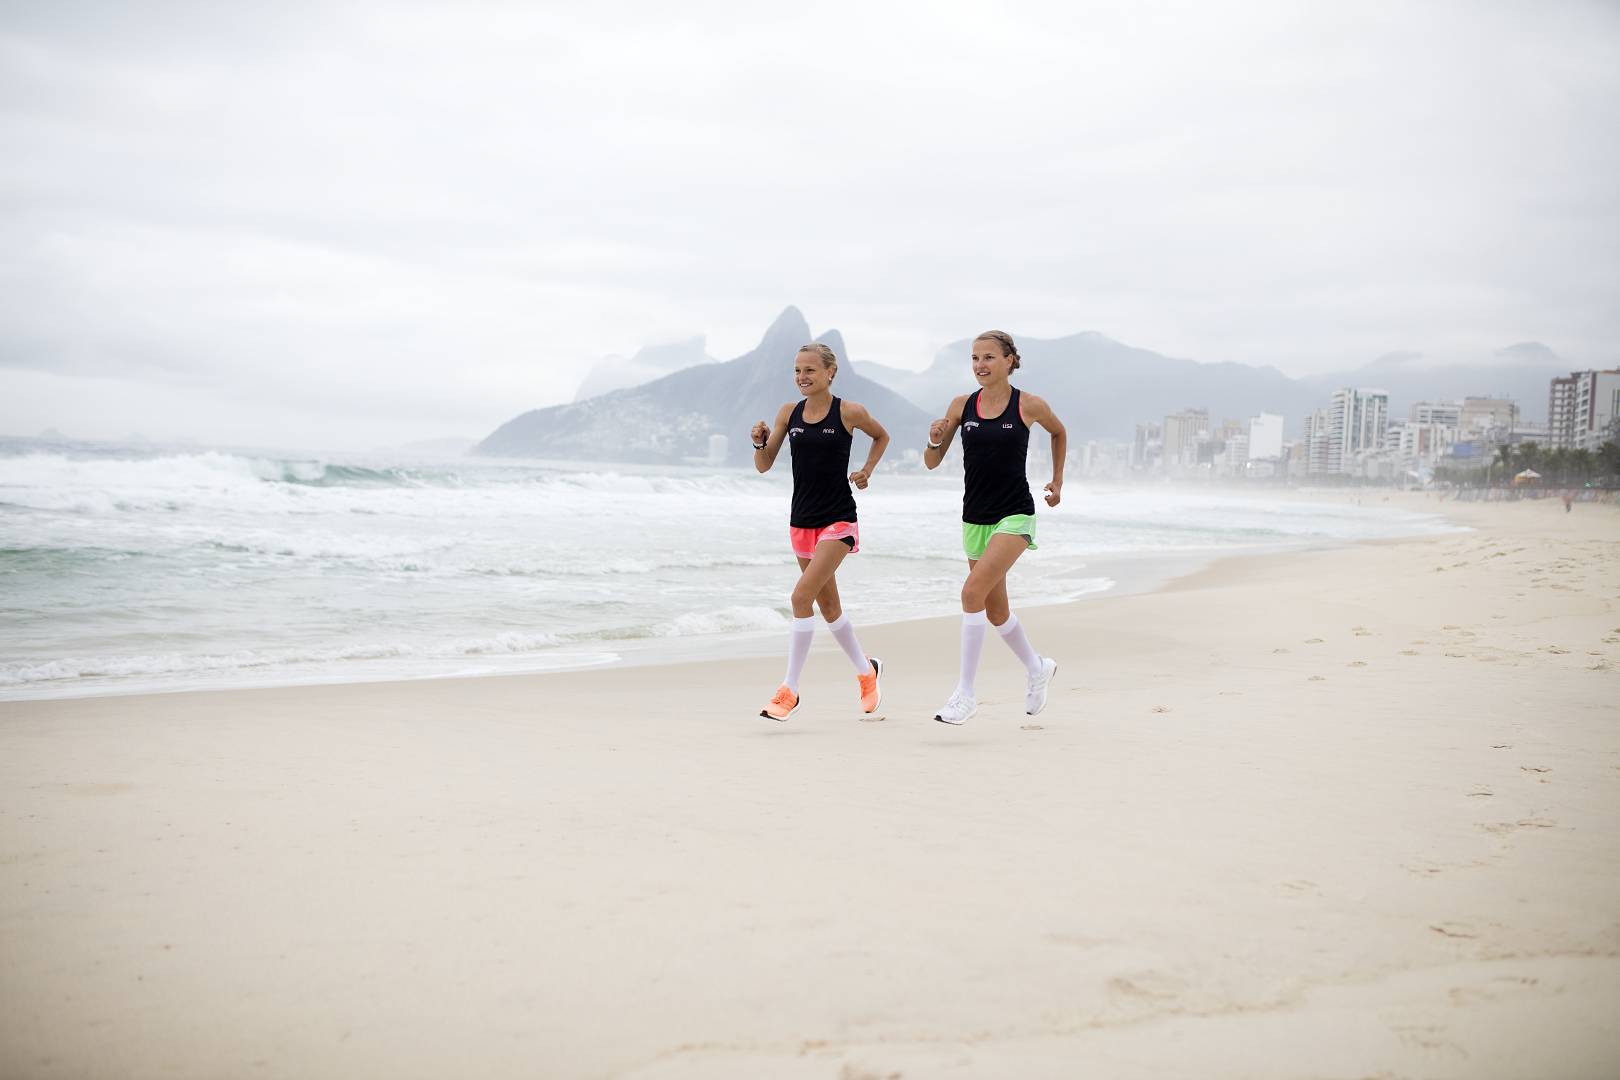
1569	500
822	529
998	513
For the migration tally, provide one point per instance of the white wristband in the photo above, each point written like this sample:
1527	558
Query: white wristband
935	445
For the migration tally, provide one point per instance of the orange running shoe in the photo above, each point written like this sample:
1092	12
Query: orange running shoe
871	691
782	706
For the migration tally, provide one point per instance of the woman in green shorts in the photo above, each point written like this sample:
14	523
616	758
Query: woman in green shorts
998	513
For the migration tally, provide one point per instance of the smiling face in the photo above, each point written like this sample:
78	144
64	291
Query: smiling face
811	373
990	364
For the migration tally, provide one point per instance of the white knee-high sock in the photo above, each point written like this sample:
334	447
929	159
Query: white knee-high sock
973	624
799	638
1012	632
844	632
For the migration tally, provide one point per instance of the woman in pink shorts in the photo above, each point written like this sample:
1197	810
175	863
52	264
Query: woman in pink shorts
822	526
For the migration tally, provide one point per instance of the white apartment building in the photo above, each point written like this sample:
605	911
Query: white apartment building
1598	400
1448	413
1182	432
1581	407
1356	422
1265	436
1417	445
1482	415
1314	442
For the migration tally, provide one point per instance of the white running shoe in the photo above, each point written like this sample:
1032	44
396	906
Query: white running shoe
957	709
1035	689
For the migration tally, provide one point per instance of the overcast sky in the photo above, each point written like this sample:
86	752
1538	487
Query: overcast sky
352	225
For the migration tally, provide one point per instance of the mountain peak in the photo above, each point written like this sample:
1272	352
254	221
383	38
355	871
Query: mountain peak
1531	351
791	319
835	341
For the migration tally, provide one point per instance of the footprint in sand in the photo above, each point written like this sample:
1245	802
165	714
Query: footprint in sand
1317	678
1301	886
1451	626
1409	652
1501	746
1454	930
1456	656
1534	768
1507	828
1160	709
873	719
1285	650
1031	727
1554	649
1153	985
1482	793
1498	987
1313	641
1361	631
1357	663
861	1072
1228	693
1417	643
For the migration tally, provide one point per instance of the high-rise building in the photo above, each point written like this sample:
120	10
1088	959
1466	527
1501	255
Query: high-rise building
1146	447
1597	400
1581	408
1561	410
1356	422
1182	432
1314	443
1265	436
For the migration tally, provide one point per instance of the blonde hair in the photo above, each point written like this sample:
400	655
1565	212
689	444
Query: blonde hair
829	359
1004	339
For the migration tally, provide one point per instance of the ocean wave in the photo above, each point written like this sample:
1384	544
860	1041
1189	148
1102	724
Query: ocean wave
726	620
504	644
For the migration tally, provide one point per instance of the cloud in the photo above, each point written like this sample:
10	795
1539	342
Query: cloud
445	213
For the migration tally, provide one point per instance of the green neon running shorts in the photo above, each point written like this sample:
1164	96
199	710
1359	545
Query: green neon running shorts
975	538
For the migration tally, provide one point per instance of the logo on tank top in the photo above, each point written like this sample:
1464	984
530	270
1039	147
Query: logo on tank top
970	425
1007	426
795	431
829	431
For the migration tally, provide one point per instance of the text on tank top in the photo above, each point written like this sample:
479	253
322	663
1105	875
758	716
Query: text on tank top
994	485
820	450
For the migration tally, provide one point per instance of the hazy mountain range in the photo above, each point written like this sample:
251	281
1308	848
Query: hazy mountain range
671	418
617	373
1100	387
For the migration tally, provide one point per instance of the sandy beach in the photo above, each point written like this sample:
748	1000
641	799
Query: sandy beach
1339	813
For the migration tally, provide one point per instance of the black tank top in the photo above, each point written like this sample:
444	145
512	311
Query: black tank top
820	451
993	450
